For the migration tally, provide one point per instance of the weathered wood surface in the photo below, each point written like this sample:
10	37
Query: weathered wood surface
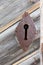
9	18
13	54
11	8
11	30
29	59
10	50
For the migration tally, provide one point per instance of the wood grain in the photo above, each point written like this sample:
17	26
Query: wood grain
25	58
33	8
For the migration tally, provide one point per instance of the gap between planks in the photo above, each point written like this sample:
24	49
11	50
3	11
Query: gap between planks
33	8
16	63
25	58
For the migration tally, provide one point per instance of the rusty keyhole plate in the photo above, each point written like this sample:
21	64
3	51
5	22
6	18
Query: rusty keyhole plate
25	38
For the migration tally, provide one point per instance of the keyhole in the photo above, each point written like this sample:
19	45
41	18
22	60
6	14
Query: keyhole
26	27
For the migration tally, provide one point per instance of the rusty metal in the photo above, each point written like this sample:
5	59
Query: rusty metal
26	36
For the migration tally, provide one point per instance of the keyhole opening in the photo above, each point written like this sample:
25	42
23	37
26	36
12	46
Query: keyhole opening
26	26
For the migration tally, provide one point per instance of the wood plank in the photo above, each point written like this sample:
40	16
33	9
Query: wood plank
16	55
12	9
13	57
33	8
25	58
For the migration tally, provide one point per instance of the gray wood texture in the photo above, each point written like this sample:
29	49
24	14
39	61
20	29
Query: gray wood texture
10	50
10	9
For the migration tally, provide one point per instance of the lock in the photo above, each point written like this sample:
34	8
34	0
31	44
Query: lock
26	27
25	31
